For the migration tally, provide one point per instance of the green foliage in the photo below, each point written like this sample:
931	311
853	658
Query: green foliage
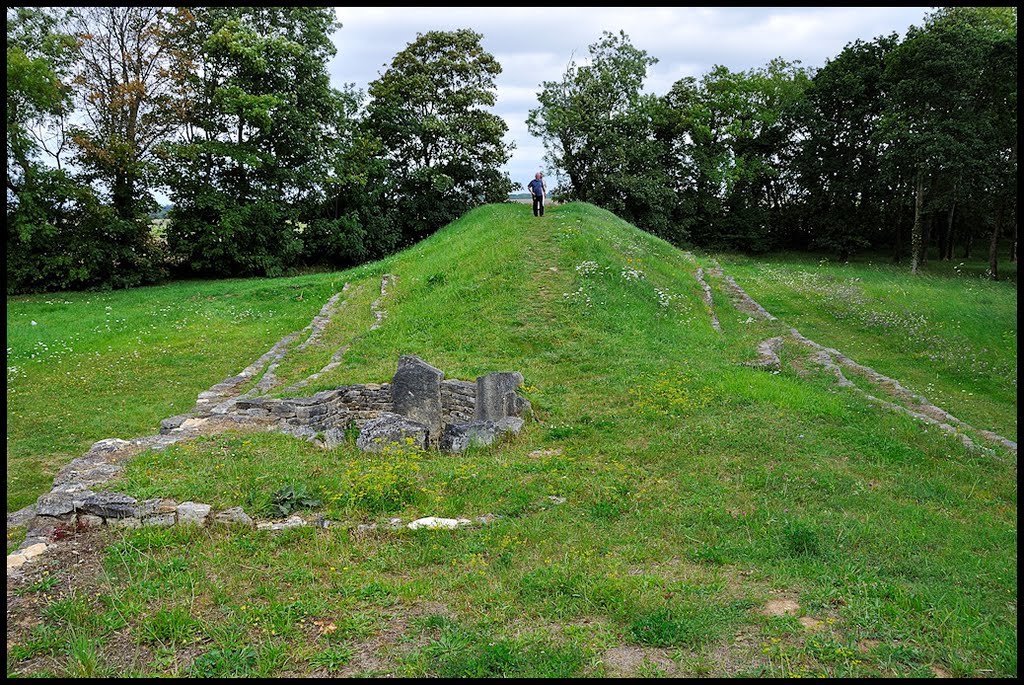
428	115
460	652
734	135
670	628
801	539
120	85
170	626
292	498
599	129
224	663
672	528
264	131
60	236
388	483
332	659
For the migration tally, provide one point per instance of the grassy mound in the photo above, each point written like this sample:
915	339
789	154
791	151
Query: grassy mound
653	515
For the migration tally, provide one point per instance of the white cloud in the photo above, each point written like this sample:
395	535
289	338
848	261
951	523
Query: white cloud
536	44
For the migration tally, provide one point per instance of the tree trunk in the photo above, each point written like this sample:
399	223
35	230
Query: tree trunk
967	244
947	242
926	240
993	252
1013	243
122	195
917	232
897	256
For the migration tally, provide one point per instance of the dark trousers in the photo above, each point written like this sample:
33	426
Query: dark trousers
538	205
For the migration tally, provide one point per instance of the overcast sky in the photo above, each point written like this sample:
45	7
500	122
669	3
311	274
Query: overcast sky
534	43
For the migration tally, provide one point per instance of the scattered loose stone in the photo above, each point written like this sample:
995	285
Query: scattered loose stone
193	513
433	522
557	500
486	519
89	521
130	522
233	516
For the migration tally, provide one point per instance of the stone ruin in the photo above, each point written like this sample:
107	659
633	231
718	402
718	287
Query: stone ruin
419	407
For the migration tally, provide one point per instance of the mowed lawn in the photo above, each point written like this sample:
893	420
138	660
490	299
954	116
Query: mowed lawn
666	511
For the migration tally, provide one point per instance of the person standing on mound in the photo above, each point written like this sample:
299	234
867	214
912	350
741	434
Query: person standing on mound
538	191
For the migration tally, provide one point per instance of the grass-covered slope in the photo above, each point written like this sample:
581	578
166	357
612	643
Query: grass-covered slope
701	497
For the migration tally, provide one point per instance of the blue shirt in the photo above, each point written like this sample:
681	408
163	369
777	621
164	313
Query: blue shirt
536	187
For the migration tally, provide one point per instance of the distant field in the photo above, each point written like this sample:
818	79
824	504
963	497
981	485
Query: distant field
667	511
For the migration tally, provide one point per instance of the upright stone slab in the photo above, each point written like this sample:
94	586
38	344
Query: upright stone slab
416	393
492	403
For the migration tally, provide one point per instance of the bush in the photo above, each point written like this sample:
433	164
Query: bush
60	236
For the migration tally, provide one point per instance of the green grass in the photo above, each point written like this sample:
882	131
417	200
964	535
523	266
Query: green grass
947	334
695	489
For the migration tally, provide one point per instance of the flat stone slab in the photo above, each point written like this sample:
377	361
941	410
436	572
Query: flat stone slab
391	429
109	505
55	504
193	513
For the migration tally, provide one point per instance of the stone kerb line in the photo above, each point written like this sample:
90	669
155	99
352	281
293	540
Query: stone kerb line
699	275
833	360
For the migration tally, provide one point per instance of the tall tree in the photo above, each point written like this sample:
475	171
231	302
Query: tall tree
121	79
38	62
737	138
607	136
840	160
257	130
60	235
941	117
429	114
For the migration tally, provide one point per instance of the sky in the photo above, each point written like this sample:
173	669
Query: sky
535	43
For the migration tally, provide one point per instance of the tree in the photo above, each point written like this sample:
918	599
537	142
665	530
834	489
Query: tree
121	79
38	60
59	234
257	133
602	132
735	141
840	159
946	108
443	149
